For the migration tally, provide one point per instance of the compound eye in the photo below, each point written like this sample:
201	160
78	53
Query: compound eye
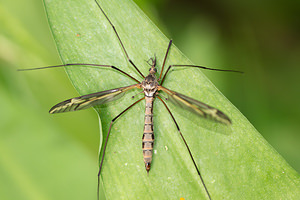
155	69
149	69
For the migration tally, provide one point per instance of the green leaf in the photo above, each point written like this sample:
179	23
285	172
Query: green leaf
235	162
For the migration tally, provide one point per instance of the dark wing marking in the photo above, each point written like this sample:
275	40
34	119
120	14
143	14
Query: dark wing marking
89	100
197	107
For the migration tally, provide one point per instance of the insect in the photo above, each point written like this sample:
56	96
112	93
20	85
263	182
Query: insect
151	85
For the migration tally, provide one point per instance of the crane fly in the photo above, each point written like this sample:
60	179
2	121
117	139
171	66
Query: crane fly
151	86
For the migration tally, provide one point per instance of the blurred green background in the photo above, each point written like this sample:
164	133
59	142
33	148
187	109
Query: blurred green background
46	156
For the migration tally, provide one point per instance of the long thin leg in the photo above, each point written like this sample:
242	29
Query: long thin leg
186	147
75	64
166	55
120	40
202	67
104	148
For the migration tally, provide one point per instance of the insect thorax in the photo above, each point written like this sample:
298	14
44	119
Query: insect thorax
149	85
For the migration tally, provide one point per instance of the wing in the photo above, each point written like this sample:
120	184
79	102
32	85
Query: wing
201	109
89	100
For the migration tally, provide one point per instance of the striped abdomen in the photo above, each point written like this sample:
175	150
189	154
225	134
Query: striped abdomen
148	136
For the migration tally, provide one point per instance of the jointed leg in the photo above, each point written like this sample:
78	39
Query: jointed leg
120	40
166	55
186	145
76	64
106	140
201	67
